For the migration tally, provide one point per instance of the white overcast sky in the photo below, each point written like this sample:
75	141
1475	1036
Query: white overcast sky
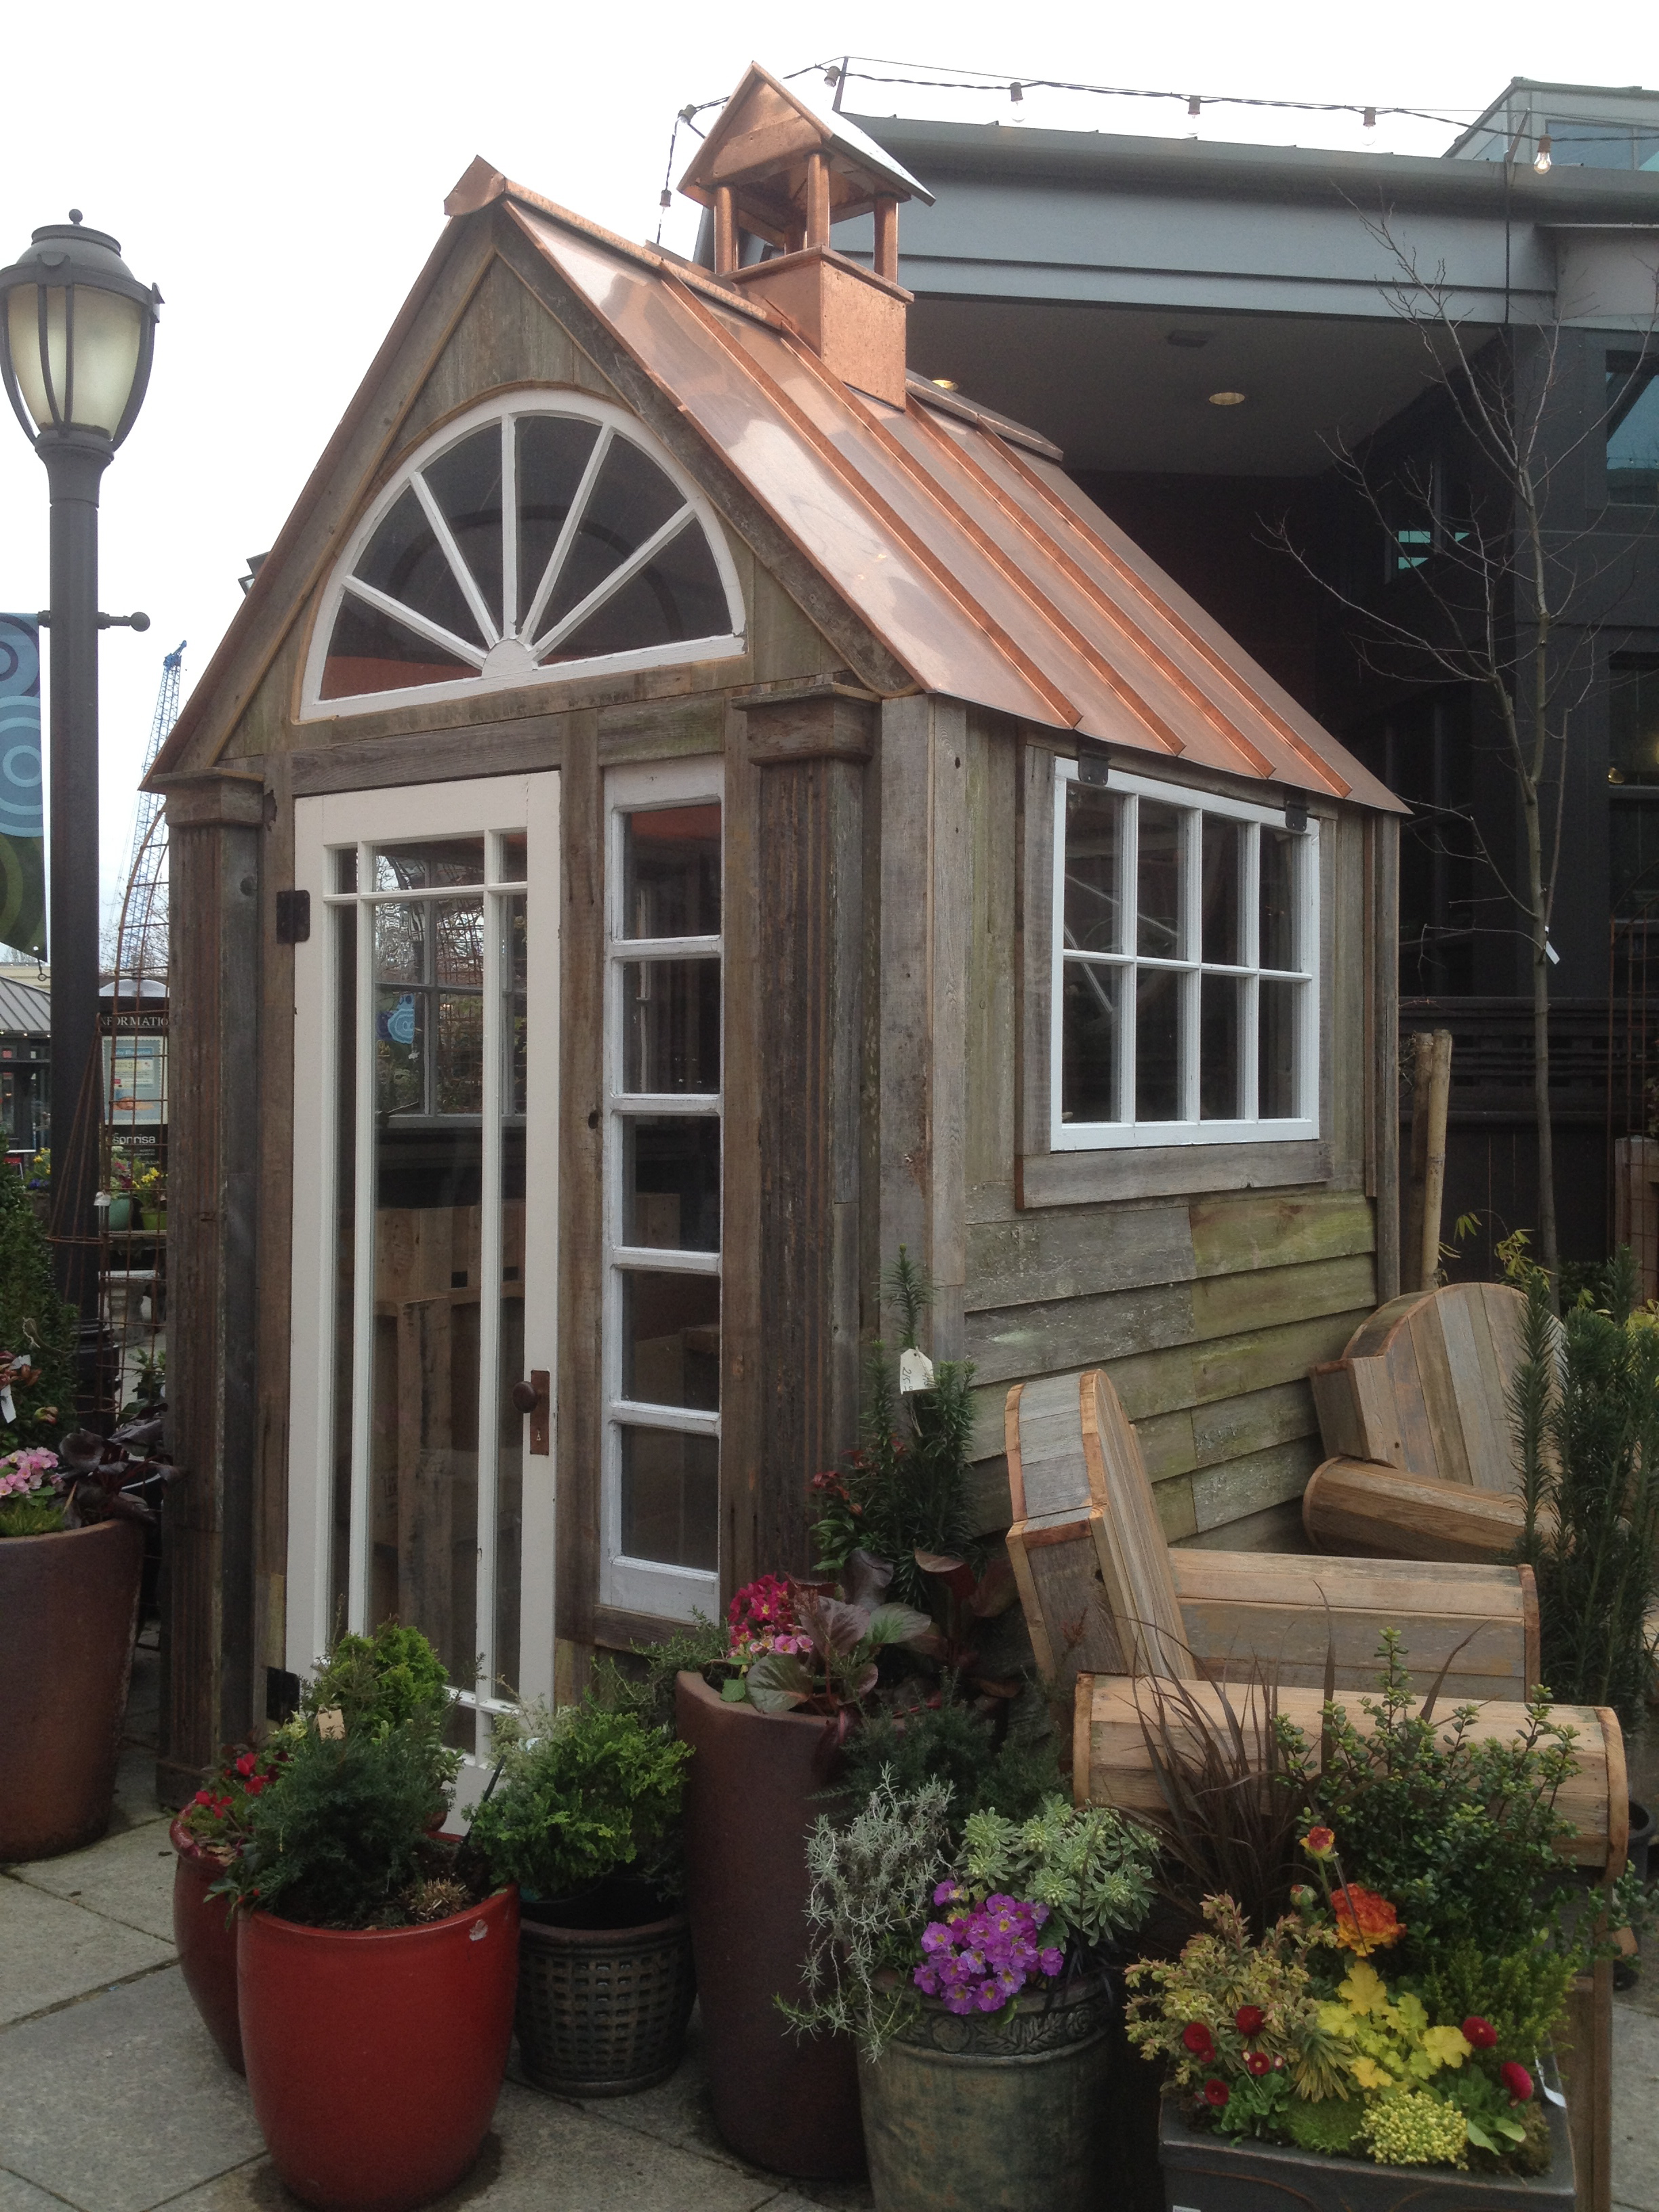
280	172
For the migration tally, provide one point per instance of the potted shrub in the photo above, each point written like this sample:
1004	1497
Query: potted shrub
769	1707
71	1559
583	1816
207	1835
376	1962
377	1680
972	1974
148	1191
1392	2017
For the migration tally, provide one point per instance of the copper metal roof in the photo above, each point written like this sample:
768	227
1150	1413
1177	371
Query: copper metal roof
954	536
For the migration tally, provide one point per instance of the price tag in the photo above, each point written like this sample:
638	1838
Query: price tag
330	1724
915	1371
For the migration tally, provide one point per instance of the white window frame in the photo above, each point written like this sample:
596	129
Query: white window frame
636	1585
1104	1136
613	422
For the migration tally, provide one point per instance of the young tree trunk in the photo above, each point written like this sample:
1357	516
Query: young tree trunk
1548	1245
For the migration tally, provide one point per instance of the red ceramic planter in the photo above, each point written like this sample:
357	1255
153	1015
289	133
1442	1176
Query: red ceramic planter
205	1934
375	2060
69	1607
753	1793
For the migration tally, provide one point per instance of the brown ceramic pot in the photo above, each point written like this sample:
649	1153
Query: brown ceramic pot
753	1791
205	1934
68	1608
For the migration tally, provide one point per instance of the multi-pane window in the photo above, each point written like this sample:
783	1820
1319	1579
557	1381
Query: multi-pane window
1633	771
1633	429
1185	967
539	535
662	1320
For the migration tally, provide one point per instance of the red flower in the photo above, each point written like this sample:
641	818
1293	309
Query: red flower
1257	2062
1516	2080
1249	2020
202	1797
1319	1843
246	1763
1480	2034
1198	2039
1216	2094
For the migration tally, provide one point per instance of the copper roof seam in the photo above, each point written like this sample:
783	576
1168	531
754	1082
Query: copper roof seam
1010	569
1201	645
1195	697
827	452
1211	712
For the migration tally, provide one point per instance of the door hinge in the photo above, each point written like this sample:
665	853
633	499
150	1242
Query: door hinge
293	917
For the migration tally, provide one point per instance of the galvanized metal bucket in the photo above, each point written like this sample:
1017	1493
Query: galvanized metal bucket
977	2115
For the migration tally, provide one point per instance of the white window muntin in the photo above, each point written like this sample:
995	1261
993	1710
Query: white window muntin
1190	1128
507	411
638	1585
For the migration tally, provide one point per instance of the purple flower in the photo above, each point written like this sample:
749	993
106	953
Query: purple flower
1052	1960
946	1893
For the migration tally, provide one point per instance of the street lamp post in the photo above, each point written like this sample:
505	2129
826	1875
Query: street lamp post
76	330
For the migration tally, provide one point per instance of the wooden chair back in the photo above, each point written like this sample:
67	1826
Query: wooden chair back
1088	1553
1424	1385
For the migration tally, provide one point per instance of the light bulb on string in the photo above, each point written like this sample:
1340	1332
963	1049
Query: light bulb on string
1193	104
1016	92
1541	159
1370	118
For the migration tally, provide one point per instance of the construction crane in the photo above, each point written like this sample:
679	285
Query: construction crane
140	936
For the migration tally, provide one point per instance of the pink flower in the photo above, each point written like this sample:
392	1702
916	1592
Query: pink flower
1516	2080
1257	2062
1249	2020
1480	2034
1216	2094
1198	2039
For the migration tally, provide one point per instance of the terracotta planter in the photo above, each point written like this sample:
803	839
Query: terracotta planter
975	2115
68	1608
375	2060
205	1934
753	1791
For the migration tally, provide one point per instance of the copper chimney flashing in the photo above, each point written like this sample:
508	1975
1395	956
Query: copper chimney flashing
775	168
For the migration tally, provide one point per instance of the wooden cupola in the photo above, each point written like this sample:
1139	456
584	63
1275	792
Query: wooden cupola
777	169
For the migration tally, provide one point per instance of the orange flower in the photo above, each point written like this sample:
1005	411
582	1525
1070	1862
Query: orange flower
1364	1921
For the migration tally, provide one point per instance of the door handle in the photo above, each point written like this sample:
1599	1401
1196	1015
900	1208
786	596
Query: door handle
534	1397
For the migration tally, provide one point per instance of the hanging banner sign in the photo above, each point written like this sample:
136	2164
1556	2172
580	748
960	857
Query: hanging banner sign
23	826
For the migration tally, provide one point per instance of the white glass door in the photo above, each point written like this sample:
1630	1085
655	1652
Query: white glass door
426	1059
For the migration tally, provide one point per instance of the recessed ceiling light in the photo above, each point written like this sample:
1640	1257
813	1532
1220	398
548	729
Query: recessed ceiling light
1189	338
944	383
1227	398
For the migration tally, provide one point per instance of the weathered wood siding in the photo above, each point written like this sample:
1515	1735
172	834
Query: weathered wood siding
1208	1308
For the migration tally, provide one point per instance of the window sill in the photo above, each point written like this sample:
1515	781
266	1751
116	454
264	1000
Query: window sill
1079	1178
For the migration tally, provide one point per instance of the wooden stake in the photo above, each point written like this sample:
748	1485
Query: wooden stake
1434	1164
1419	1258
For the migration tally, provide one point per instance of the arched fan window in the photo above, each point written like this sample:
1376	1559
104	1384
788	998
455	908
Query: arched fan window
541	535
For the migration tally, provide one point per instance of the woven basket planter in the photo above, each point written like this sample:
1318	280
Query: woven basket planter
602	2011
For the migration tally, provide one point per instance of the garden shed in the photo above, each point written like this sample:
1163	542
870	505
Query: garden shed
686	808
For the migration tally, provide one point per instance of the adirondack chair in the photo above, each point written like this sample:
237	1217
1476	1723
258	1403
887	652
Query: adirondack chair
1104	1594
1415	1416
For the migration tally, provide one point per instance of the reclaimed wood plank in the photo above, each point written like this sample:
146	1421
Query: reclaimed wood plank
1119	1769
1013	1340
1259	1231
1039	1257
1277	1528
744	1507
1269	1297
1359	1506
1171	1170
1251	1484
992	1042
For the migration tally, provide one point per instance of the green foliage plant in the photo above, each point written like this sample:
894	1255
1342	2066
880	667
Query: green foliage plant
339	1838
381	1681
955	1744
36	1326
584	1792
1461	1833
872	1882
905	1489
1584	1407
1090	1867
